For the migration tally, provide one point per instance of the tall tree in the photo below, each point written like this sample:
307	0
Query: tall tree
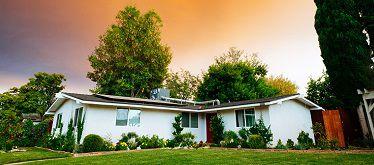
366	9
182	84
130	59
35	96
234	77
38	94
283	84
320	92
344	49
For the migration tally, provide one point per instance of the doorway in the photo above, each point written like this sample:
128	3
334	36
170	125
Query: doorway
209	136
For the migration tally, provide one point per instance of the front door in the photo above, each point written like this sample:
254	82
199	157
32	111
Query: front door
209	137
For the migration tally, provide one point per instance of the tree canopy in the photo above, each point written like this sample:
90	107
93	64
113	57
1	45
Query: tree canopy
35	96
235	77
130	59
344	49
320	92
283	84
182	84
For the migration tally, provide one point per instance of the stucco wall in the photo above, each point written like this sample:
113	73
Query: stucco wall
101	120
229	117
67	110
288	120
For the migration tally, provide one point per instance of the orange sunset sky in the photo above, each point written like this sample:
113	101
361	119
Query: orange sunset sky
58	36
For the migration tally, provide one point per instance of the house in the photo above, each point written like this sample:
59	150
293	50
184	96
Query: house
110	116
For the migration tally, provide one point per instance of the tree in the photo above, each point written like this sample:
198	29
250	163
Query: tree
320	92
38	94
182	84
216	124
344	49
367	17
35	96
234	77
283	84
130	59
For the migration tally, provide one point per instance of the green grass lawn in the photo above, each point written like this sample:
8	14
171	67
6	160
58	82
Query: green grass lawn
30	154
217	156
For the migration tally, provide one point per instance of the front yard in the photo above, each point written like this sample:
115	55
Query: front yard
30	154
218	156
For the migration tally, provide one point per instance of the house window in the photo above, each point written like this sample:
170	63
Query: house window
190	120
245	118
128	117
58	120
78	116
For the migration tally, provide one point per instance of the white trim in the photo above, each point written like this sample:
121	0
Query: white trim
306	101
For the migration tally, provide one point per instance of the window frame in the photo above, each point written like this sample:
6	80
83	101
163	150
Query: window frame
190	120
127	123
78	116
58	120
244	117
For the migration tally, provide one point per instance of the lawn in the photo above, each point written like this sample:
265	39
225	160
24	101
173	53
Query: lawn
217	156
29	154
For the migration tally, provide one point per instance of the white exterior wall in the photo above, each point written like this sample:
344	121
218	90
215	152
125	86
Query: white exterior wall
288	119
101	120
67	110
229	117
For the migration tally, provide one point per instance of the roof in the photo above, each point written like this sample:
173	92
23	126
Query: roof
131	102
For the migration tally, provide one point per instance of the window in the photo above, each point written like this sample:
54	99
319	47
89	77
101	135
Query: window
190	120
245	118
128	117
78	116
58	120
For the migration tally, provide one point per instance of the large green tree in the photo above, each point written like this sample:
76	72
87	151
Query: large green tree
35	96
130	59
283	84
234	77
344	49
182	84
320	92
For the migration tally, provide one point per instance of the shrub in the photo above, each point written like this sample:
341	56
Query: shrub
10	129
28	138
188	139
259	128
126	137
154	142
171	143
254	142
304	141
92	143
69	141
80	126
244	133
290	144
230	139
121	146
217	127
280	145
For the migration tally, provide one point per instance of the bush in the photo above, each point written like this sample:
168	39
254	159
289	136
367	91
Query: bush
217	127
254	142
121	146
126	137
230	139
154	142
188	139
259	128
108	145
244	133
10	129
290	144
280	145
92	143
304	141
28	138
69	141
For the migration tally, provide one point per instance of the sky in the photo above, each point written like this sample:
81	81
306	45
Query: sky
58	36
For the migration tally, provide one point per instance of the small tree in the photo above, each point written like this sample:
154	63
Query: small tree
80	126
177	125
216	124
260	129
69	141
283	84
182	84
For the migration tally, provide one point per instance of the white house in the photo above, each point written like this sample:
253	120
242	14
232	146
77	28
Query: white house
110	116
